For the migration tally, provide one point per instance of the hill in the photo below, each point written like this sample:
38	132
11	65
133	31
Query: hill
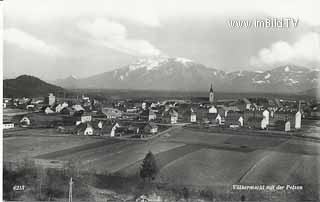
28	86
181	74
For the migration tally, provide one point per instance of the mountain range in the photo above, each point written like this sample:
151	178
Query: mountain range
28	86
182	74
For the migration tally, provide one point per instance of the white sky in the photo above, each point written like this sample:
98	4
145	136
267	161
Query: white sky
58	38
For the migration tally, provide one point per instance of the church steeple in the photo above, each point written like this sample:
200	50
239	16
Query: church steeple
211	89
211	95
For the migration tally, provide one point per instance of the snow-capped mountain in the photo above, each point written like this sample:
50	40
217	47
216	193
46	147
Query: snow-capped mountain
163	73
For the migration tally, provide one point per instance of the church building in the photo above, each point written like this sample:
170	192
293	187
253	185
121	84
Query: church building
211	95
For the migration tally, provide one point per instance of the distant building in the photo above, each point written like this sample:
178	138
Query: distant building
171	116
7	125
25	121
193	116
211	95
293	117
148	115
213	110
315	111
48	110
60	107
51	99
84	129
151	128
256	123
68	110
282	125
214	118
78	107
112	113
113	129
85	117
234	120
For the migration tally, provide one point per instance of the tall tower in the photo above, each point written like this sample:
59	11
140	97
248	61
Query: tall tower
211	95
51	99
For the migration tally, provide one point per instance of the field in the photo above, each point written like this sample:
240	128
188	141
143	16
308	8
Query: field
20	148
185	157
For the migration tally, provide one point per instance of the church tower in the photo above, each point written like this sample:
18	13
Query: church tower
211	95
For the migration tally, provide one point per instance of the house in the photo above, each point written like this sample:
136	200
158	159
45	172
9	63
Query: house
85	117
77	107
151	128
113	129
48	110
293	117
188	114
7	125
297	124
30	107
234	120
193	116
148	115
214	119
213	110
283	125
84	129
68	110
60	107
266	115
315	111
111	113
247	103
25	121
256	123
171	116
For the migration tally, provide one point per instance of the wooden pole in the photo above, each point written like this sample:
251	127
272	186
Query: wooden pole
70	190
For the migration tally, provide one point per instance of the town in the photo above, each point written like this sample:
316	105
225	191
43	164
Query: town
144	118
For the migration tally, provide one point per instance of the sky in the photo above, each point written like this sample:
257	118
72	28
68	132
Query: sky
54	39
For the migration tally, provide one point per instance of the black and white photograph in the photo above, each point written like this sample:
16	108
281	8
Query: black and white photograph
160	100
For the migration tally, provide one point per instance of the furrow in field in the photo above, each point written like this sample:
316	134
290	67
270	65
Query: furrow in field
55	155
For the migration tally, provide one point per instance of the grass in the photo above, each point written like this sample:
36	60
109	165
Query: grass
19	148
185	158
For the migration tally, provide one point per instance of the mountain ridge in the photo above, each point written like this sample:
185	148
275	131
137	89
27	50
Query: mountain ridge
187	75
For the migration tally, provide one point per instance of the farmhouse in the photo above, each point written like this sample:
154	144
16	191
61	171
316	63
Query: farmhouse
48	110
68	110
293	117
171	116
60	107
256	123
213	110
113	129
25	121
84	129
214	119
7	125
112	113
151	128
315	112
193	116
234	120
85	117
148	115
77	107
